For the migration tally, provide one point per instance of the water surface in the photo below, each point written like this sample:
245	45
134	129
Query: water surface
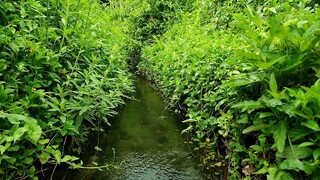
145	142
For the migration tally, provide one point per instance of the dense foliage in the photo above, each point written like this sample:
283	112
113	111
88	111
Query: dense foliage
62	72
244	73
247	75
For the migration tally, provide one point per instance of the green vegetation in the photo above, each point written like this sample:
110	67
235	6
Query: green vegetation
245	73
62	72
247	76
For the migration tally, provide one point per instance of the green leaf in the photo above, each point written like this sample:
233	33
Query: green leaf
97	148
266	114
27	160
29	152
44	157
63	119
237	82
293	62
4	148
311	30
256	127
266	65
291	164
316	153
64	22
83	110
56	153
306	144
43	141
277	174
299	132
34	133
284	176
295	152
68	158
273	84
280	135
273	10
16	118
313	93
14	148
312	124
248	105
18	133
10	160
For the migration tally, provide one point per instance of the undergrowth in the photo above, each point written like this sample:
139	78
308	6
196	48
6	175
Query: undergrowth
247	75
62	72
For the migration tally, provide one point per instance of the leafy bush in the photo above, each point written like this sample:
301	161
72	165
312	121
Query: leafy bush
249	88
62	71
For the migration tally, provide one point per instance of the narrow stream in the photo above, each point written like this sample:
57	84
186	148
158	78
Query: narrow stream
145	141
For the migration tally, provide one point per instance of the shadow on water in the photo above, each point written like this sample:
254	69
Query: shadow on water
144	142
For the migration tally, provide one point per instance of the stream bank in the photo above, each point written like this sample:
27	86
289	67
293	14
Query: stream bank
144	143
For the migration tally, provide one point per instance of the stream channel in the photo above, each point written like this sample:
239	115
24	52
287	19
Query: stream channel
144	140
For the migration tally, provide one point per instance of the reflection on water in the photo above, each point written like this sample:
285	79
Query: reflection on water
144	141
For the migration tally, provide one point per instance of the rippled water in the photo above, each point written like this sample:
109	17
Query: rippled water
144	142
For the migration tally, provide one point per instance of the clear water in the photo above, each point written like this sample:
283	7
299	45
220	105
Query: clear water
145	142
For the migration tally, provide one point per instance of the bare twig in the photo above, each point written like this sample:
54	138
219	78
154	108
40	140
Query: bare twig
54	169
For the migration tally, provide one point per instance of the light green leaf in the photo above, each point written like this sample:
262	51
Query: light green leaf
248	105
43	141
16	118
311	30
64	22
4	148
313	93
306	144
34	133
291	164
63	119
237	82
273	83
312	124
56	153
280	135
273	10
256	127
44	157
68	158
18	133
266	114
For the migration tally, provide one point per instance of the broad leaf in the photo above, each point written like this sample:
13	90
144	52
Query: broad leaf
280	135
44	157
34	133
295	152
18	133
291	164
